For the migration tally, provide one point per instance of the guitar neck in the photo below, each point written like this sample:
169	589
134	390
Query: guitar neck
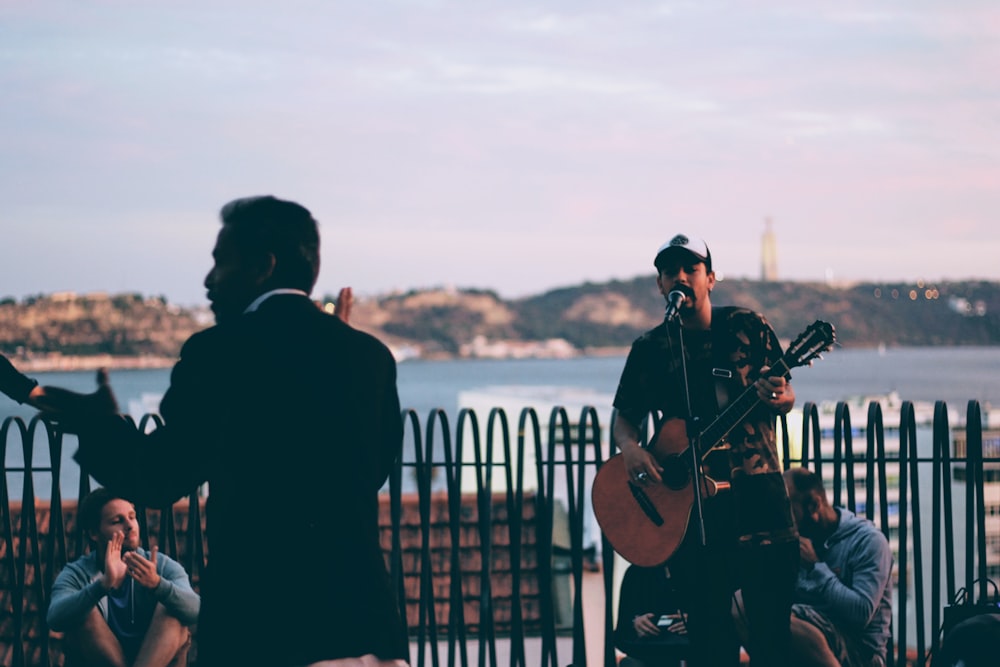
737	411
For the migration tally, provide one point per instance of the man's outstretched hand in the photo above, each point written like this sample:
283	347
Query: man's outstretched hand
67	408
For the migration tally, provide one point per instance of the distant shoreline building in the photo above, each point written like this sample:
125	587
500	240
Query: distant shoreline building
768	254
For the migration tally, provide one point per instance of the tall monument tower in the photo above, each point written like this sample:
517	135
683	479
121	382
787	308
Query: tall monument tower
768	254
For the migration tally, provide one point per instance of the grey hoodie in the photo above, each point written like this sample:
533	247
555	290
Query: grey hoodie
78	589
852	584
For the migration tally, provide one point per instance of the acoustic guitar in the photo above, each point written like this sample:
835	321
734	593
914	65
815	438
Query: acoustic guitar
646	523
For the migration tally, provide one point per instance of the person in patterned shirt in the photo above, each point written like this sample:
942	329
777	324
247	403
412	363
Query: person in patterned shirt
750	538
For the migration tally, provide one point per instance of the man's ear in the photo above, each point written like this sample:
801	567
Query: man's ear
265	268
659	283
815	502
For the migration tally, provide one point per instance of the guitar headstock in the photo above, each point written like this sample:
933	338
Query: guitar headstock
812	342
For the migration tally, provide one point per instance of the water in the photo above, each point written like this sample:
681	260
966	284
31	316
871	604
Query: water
955	375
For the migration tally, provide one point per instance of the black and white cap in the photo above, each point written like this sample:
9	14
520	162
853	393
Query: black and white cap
685	242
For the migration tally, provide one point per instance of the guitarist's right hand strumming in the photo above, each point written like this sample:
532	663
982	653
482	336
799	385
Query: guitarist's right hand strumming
642	467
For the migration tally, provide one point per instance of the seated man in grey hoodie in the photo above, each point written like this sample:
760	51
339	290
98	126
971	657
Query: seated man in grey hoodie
119	604
843	600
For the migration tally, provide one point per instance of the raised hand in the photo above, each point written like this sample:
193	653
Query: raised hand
65	406
115	568
142	570
345	300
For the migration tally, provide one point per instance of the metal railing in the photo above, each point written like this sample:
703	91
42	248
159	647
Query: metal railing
484	530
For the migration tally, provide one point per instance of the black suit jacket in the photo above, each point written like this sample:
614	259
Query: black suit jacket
293	418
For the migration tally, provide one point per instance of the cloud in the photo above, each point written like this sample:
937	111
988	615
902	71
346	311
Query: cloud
572	137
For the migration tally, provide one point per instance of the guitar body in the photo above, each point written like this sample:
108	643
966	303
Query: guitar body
646	523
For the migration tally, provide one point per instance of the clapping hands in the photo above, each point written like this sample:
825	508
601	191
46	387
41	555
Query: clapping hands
143	570
118	564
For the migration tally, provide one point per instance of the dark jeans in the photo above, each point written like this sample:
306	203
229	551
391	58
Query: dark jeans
657	652
768	585
706	578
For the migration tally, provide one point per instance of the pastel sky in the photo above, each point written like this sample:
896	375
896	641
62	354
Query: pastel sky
499	144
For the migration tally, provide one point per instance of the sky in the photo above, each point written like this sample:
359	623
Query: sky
507	145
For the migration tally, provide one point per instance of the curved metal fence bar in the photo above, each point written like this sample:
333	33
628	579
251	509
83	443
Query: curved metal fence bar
607	558
484	500
55	550
810	436
849	459
786	444
875	468
940	499
841	435
874	438
547	465
560	433
427	634
453	469
455	565
973	476
13	579
29	547
903	551
544	504
908	444
397	567
528	419
974	434
942	441
588	438
875	473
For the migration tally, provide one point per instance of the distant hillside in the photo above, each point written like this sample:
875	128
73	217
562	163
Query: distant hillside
438	323
613	314
42	329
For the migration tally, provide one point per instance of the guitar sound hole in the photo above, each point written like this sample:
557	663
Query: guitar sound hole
675	472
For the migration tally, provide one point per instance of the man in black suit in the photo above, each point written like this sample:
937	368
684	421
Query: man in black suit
293	419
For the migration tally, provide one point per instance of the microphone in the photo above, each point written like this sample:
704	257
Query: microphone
674	300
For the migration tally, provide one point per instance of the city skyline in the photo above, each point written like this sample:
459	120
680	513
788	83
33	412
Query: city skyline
510	146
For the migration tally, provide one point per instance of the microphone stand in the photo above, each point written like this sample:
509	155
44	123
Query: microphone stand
698	516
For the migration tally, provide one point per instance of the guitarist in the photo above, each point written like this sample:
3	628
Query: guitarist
751	542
